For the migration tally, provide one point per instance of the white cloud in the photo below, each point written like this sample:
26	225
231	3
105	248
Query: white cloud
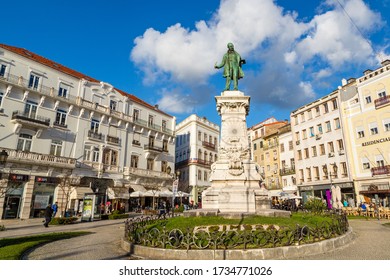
285	56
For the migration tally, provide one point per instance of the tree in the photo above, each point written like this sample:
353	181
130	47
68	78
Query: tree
67	185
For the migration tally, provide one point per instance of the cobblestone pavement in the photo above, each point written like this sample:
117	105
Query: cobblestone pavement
371	242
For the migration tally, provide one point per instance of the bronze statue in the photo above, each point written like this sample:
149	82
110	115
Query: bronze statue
232	67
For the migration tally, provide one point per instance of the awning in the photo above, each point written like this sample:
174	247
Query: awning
137	188
121	195
79	192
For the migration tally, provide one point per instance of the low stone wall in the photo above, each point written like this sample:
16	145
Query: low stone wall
287	252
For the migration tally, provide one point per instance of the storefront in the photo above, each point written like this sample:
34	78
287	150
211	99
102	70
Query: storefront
14	196
324	192
43	194
376	193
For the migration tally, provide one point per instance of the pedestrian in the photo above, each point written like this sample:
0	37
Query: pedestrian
54	208
48	215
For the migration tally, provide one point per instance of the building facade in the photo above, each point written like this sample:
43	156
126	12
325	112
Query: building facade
68	134
366	107
287	159
197	142
321	160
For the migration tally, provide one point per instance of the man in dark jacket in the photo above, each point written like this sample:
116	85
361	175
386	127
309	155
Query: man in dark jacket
48	215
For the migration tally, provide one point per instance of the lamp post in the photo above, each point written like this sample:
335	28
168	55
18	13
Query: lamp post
175	186
3	157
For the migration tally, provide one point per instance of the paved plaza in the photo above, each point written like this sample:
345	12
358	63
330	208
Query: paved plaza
371	242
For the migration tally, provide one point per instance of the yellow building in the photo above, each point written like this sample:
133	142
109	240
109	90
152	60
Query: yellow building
366	118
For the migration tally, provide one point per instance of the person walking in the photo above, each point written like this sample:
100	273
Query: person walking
55	209
48	215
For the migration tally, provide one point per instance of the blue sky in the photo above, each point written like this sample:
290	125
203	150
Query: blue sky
164	51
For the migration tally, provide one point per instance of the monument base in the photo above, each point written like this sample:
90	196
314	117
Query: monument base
236	215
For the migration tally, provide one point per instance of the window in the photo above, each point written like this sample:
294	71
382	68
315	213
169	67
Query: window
382	94
308	173
295	121
317	111
344	171
309	115
164	166
63	90
110	157
30	110
319	129
314	151
304	134
149	164
151	121
164	125
2	70
134	161
334	103
337	123
199	175
306	152
360	132
386	124
328	126
368	99
311	131
302	117
282	148
95	154
205	175
340	145
199	136
326	109
330	147
135	115
379	161
56	147
322	149
151	141
60	118
373	128
299	155
290	145
254	146
33	82
365	163
165	146
87	153
292	163
113	105
24	142
95	126
316	173
205	137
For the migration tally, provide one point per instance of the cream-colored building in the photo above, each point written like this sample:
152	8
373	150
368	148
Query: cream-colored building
321	160
287	159
197	142
67	134
366	108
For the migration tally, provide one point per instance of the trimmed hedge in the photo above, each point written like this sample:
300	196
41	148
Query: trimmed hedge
63	221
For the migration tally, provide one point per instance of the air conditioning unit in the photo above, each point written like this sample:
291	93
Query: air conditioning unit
331	154
276	171
341	152
318	136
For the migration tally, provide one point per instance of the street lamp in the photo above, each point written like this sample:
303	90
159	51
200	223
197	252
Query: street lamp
175	187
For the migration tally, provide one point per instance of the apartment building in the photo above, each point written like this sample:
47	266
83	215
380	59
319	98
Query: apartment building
197	142
287	159
321	160
67	134
366	107
265	151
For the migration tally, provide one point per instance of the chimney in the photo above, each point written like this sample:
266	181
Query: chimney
368	71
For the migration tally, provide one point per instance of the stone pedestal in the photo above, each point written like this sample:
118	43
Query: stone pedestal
234	177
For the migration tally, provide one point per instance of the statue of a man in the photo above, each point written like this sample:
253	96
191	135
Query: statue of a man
232	67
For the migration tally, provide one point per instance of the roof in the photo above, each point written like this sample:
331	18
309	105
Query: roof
59	67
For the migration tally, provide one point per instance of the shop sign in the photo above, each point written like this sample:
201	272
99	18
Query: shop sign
48	180
18	178
378	141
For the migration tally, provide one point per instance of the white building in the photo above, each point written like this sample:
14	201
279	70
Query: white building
57	123
287	159
196	149
320	155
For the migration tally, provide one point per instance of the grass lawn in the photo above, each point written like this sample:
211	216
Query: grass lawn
13	248
297	218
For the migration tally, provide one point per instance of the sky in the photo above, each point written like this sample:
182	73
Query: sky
164	52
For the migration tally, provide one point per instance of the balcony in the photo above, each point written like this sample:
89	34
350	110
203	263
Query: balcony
95	136
145	173
113	140
381	102
208	145
30	119
199	161
287	171
381	170
153	148
39	159
60	125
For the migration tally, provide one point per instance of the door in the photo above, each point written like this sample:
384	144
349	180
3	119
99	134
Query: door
11	207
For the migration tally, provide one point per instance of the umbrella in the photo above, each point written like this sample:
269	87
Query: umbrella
165	194
334	197
338	196
137	194
183	194
152	193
